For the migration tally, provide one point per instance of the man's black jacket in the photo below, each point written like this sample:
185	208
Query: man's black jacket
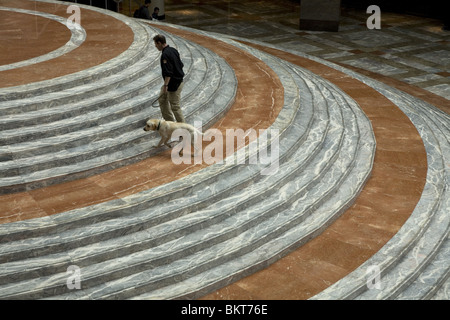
172	66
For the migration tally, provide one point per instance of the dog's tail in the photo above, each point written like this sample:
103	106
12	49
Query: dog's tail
199	131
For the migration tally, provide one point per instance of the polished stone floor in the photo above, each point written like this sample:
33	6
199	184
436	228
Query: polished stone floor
409	48
408	52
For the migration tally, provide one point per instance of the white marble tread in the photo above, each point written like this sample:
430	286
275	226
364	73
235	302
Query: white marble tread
87	142
335	111
171	242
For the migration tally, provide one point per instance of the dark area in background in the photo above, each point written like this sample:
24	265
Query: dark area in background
425	8
438	9
109	4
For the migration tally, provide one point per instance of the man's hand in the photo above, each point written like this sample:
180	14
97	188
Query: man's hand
166	84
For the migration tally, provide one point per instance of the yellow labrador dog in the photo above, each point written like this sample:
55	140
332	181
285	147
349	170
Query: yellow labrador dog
167	128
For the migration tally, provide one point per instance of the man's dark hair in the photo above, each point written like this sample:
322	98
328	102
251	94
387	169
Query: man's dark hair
148	1
159	38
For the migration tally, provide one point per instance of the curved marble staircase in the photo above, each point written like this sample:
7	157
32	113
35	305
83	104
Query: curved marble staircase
188	237
414	264
88	124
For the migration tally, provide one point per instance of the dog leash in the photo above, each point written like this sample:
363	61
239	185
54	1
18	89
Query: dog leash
156	100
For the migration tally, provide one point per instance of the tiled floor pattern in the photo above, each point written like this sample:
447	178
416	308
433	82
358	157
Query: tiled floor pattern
409	48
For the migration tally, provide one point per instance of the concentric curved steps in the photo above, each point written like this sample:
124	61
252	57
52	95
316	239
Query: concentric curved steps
188	237
414	264
76	132
321	159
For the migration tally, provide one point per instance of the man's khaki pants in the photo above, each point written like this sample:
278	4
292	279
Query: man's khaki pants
169	103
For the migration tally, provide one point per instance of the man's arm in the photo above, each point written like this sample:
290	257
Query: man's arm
166	84
167	70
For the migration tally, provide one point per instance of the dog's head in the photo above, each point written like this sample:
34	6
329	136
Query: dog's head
151	125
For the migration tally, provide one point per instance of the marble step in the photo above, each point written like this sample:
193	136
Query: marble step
425	283
140	46
28	108
174	191
75	116
137	142
168	247
71	102
422	239
113	110
209	94
406	277
431	198
415	263
197	285
443	292
327	183
431	279
65	96
165	207
191	186
191	283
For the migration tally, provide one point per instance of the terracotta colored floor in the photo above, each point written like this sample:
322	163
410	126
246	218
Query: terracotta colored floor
47	35
22	37
384	205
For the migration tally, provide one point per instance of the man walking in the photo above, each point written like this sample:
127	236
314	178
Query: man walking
172	73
